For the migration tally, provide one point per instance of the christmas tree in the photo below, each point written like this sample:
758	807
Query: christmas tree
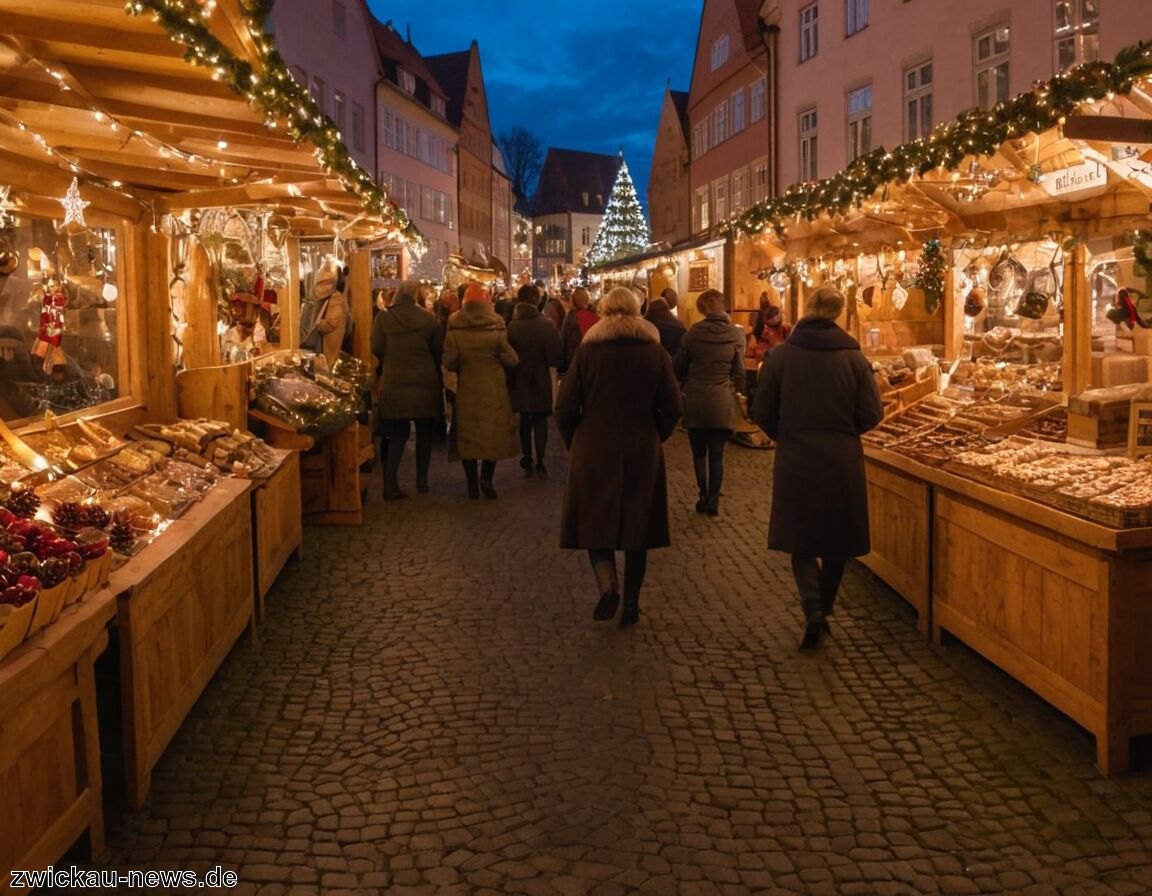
623	229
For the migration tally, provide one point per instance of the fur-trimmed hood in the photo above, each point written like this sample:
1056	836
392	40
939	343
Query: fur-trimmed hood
619	327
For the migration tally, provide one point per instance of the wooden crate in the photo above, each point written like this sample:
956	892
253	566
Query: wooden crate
1097	432
277	525
49	743
183	604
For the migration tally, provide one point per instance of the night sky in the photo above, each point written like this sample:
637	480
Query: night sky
587	76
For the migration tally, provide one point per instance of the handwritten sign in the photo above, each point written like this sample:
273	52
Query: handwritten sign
1086	177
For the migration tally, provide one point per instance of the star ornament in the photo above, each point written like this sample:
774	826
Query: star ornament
74	209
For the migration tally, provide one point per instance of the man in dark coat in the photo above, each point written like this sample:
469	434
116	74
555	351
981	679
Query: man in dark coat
671	328
815	397
537	344
408	341
617	404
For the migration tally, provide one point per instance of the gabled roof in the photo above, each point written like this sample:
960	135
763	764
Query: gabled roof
395	52
569	174
680	102
451	70
748	12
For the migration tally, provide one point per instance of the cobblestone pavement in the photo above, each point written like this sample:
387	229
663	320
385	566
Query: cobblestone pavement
434	711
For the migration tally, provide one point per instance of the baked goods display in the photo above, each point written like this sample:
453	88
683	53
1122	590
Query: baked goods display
72	447
985	375
209	443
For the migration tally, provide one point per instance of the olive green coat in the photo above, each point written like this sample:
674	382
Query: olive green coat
476	348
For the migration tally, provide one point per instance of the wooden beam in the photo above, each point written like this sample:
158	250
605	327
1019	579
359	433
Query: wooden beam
1112	128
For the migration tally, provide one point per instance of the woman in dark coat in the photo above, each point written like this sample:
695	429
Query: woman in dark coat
477	350
710	362
408	342
618	402
537	344
815	397
576	323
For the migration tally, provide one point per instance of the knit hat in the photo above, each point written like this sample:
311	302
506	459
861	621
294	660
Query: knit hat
327	276
476	293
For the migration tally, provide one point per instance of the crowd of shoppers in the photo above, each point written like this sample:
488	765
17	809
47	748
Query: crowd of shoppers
626	379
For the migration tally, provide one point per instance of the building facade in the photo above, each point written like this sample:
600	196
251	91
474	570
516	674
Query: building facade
462	77
669	194
569	203
330	50
417	148
855	75
501	212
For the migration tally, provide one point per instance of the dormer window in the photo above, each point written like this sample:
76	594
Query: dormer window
599	199
585	200
407	80
719	51
438	106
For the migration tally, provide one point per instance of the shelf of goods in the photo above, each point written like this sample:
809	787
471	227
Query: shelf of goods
1035	553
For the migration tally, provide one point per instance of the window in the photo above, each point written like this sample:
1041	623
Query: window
407	80
439	106
809	31
739	190
719	51
357	126
318	91
720	127
339	111
585	235
918	101
992	67
756	96
699	140
1077	32
299	75
339	18
720	194
759	180
808	145
859	122
701	209
856	16
738	111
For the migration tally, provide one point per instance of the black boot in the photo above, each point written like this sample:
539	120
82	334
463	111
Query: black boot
630	615
487	490
812	633
473	478
606	606
712	505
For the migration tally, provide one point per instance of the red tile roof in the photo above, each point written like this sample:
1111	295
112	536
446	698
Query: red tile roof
569	174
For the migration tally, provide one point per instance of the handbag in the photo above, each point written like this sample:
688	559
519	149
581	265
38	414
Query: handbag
311	313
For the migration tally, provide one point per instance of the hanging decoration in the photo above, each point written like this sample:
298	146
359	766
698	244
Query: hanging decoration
53	301
976	132
74	207
276	94
929	275
5	205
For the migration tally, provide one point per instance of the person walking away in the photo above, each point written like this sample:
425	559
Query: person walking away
476	349
710	363
577	322
660	314
537	345
407	341
616	406
555	308
816	397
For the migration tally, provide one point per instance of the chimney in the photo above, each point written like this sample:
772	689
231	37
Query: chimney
408	32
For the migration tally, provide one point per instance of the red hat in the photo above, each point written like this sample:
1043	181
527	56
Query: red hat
476	293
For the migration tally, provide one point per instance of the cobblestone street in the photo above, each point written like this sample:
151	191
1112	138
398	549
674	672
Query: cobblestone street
433	710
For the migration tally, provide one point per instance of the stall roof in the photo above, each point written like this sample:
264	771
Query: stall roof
144	109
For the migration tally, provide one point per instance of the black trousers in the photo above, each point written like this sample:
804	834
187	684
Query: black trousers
533	425
395	434
708	458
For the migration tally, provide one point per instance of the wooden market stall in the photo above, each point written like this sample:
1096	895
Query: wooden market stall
995	272
159	173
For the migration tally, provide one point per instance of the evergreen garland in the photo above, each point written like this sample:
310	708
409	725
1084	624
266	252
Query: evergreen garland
276	94
976	132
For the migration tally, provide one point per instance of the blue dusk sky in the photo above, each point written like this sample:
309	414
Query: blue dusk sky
588	76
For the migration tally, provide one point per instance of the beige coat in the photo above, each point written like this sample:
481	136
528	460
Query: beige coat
332	325
476	348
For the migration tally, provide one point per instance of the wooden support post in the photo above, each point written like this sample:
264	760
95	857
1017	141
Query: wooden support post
360	287
1077	323
156	330
953	316
290	303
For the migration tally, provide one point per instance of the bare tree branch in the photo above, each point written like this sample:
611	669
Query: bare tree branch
523	155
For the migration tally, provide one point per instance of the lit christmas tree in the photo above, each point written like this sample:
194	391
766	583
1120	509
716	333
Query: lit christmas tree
623	229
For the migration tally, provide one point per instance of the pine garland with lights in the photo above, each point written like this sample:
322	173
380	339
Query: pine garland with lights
929	276
277	95
976	132
1142	254
623	230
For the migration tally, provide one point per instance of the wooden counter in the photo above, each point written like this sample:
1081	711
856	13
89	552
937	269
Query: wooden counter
49	743
183	603
1062	604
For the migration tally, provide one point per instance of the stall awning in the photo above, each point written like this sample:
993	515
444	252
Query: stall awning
631	261
88	90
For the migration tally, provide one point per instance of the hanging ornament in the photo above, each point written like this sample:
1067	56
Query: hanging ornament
5	206
51	333
899	297
73	210
929	276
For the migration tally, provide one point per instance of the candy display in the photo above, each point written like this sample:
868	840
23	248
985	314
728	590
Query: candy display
291	388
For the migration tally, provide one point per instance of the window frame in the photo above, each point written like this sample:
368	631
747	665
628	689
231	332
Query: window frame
1076	30
859	124
809	45
855	16
737	101
915	95
700	209
720	51
406	80
357	123
809	143
758	182
339	19
991	64
757	100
